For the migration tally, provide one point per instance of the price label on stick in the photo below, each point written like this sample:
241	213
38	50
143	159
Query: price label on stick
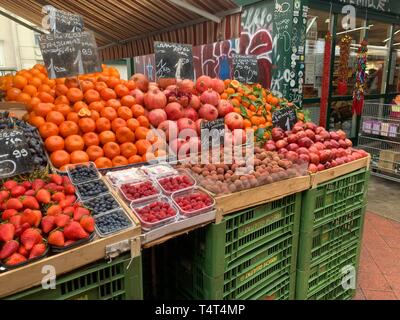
212	133
173	60
245	68
15	157
284	118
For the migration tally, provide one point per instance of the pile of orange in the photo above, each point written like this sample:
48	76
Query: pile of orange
90	118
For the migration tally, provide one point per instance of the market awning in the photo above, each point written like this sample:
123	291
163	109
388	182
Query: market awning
120	23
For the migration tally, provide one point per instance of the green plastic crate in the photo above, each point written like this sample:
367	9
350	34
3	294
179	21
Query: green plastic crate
99	281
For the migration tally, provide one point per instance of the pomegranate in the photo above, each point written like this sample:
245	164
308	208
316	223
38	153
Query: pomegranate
171	88
155	99
141	81
157	116
138	95
238	137
277	134
185	86
269	146
198	125
292	156
165	82
170	129
192	146
190	113
348	142
310	134
292	147
174	111
312	168
281	144
203	83
210	96
218	85
341	134
208	112
186	123
153	85
176	144
234	121
292	138
224	107
194	102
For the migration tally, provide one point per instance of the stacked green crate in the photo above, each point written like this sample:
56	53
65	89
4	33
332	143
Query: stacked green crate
120	279
251	254
330	237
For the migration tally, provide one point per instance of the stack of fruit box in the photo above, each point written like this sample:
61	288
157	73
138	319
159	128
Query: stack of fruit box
330	237
251	254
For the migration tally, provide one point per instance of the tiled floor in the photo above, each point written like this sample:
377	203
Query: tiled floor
379	274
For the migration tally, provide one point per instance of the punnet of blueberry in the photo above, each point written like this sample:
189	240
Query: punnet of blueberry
112	222
91	189
83	172
102	204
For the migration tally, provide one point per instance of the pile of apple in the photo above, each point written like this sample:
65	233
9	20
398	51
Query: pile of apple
308	143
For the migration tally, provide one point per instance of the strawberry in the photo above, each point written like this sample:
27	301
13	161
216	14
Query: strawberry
17	191
16	220
61	220
66	180
26	184
30	202
50	187
69	189
15	259
23	251
38	184
7	231
74	231
57	179
69	211
8	249
68	242
58	196
38	217
80	212
54	210
59	189
4	195
30	237
37	250
10	184
87	222
30	192
64	203
3	206
21	228
7	214
56	238
71	198
14	203
48	223
43	196
32	217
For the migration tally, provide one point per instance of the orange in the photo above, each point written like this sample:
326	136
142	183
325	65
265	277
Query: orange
32	104
63	108
61	89
87	125
56	117
230	91
119	161
74	95
19	82
135	159
103	124
124	113
112	82
80	105
50	82
37	121
127	101
91	95
111	150
108	94
24	98
68	128
125	134
60	80
137	110
117	123
246	123
30	89
121	90
86	85
103	162
128	149
61	100
109	113
94	115
107	136
35	81
132	124
54	143
73	116
91	139
48	129
42	109
143	146
42	76
59	158
13	93
79	157
74	143
130	84
141	133
71	82
97	105
45	97
257	120
144	122
94	152
100	85
44	88
113	103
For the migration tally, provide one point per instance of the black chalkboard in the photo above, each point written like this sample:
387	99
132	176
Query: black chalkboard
212	132
70	54
65	22
245	68
173	60
15	157
284	118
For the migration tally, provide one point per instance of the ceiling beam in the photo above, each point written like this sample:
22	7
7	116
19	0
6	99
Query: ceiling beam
19	21
196	10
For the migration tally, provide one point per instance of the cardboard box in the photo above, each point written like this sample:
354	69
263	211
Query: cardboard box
389	160
16	108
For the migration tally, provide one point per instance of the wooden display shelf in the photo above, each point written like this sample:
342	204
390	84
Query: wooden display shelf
329	174
252	197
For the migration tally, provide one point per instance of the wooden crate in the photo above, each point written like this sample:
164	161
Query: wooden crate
387	160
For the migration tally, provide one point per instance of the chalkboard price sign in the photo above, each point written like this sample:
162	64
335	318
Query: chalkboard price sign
173	60
212	133
70	54
65	22
14	153
284	118
245	68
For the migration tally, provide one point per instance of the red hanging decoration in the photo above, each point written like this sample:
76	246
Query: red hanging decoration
325	80
358	93
344	65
